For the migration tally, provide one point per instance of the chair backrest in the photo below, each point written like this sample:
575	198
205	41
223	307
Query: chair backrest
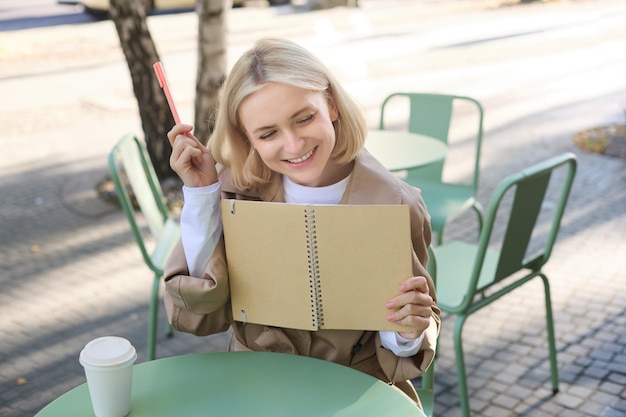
137	186
431	115
526	191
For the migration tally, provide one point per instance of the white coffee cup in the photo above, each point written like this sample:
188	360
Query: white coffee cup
108	363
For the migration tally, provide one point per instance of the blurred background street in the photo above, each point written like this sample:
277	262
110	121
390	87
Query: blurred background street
544	71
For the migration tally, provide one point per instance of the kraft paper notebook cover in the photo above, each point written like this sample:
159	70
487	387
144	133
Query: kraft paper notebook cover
311	267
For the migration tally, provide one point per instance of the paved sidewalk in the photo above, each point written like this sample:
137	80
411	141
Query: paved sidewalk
70	271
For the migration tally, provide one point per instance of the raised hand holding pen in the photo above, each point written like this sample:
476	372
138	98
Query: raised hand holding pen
190	159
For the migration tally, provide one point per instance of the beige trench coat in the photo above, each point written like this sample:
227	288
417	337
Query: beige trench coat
201	305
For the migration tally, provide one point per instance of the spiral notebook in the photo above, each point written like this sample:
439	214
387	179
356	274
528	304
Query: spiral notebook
315	267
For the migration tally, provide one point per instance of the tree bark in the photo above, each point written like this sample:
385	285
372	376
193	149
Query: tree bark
129	17
211	63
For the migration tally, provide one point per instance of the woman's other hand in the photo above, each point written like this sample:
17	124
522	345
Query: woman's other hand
412	308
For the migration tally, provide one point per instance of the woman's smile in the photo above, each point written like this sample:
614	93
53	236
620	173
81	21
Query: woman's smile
302	158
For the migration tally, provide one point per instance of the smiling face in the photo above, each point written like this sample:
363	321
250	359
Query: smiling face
291	129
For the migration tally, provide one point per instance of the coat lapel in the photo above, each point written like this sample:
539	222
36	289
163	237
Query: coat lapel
371	183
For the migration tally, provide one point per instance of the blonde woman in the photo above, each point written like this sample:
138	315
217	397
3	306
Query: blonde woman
286	131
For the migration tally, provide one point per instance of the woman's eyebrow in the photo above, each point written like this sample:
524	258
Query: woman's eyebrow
302	110
262	128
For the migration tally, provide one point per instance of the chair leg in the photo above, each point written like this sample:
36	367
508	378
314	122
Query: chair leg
153	320
554	371
460	366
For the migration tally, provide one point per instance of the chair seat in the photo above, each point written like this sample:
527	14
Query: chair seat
455	261
444	201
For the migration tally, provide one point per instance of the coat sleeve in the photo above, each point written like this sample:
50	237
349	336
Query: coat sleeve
394	367
198	305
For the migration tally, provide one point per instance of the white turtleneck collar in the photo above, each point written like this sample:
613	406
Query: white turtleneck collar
301	194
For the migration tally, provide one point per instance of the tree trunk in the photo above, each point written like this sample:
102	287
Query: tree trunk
129	17
211	63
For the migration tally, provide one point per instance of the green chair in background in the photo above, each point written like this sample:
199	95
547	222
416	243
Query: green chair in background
472	276
137	185
431	115
426	388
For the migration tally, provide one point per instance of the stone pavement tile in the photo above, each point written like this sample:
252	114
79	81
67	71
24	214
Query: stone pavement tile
592	408
612	388
614	412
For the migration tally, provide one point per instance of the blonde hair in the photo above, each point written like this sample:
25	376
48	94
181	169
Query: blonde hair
282	61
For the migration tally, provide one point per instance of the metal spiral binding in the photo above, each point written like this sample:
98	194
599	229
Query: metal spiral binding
317	314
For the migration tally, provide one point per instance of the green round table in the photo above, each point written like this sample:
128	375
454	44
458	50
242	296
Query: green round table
398	150
242	384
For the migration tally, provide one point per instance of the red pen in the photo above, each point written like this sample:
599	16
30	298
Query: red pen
158	69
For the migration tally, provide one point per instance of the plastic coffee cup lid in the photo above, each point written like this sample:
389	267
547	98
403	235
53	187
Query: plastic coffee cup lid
107	351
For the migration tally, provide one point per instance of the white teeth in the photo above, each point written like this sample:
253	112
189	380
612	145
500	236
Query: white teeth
302	158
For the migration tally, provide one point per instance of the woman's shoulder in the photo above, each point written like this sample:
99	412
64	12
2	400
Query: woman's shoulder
372	178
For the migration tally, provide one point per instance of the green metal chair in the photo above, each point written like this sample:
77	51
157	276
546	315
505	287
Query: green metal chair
137	185
426	388
472	276
431	115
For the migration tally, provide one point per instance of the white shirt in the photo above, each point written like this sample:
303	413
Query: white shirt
201	228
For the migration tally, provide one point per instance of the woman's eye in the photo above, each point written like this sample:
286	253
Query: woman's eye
267	135
306	119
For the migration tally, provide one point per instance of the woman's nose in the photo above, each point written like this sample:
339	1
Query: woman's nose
293	143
